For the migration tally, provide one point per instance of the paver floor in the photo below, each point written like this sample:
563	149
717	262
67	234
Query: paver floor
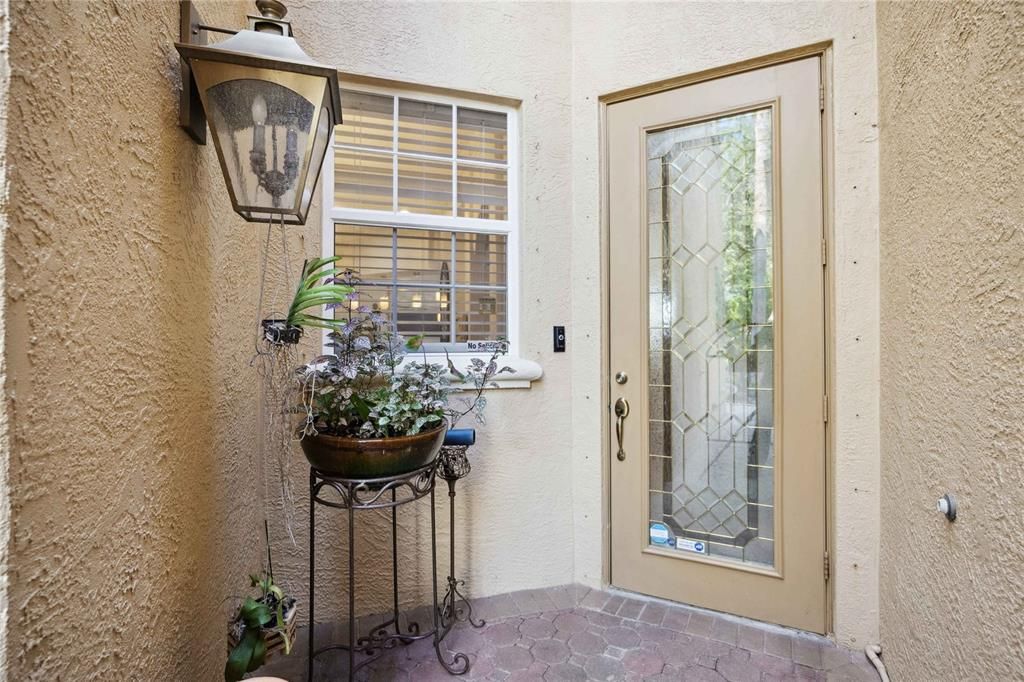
573	633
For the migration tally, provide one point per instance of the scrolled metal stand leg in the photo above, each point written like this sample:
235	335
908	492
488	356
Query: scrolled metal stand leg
312	559
458	658
454	596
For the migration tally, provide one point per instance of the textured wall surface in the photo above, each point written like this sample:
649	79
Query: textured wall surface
620	45
127	335
5	516
952	83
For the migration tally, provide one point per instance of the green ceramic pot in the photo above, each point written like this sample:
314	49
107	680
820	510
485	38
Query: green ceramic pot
372	458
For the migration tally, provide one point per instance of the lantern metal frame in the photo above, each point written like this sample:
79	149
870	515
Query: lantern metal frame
286	66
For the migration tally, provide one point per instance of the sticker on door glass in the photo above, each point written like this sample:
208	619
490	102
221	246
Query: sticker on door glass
692	545
659	534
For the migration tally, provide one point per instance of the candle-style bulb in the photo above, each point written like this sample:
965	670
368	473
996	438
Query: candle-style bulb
259	110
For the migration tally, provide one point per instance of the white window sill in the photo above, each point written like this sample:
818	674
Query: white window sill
526	371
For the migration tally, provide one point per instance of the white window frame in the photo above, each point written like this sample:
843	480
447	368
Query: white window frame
526	371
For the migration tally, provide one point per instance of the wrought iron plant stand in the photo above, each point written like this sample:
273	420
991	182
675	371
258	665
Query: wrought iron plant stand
390	493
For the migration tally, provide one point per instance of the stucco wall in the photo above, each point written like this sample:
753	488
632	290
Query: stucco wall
952	83
128	335
619	45
5	516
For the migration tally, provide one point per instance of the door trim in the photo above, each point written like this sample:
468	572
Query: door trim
823	50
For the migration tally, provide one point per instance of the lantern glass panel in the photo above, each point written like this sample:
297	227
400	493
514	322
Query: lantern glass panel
262	131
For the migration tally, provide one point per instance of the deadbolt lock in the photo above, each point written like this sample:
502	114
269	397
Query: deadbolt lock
621	377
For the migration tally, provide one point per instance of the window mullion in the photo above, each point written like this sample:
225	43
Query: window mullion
394	278
455	165
451	290
394	156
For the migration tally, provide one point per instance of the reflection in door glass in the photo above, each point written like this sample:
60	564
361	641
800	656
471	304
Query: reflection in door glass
709	210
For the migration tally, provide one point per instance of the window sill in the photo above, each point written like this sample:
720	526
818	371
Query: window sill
526	371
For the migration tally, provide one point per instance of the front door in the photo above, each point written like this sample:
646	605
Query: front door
717	345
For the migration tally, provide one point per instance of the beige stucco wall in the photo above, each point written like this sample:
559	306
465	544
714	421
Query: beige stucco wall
619	45
5	515
952	84
129	300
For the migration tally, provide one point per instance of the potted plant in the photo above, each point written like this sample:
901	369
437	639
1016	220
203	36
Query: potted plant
365	416
261	627
318	286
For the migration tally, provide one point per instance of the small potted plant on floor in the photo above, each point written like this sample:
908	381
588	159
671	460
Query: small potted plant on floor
262	626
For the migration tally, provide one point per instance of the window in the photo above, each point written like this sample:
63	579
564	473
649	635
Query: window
424	210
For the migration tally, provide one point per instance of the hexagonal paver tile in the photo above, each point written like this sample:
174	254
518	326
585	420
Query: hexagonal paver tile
565	672
698	673
604	668
586	643
550	651
502	634
738	671
621	636
570	622
512	658
537	628
465	639
526	676
643	662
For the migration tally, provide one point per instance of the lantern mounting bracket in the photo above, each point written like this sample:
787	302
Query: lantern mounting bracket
192	30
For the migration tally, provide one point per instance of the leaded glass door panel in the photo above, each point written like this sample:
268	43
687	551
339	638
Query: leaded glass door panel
717	324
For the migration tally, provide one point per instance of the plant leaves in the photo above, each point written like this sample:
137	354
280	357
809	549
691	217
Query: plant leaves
259	651
239	659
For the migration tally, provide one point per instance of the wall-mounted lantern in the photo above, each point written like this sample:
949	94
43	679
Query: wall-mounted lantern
271	110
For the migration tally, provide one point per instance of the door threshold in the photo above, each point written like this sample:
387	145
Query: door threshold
614	591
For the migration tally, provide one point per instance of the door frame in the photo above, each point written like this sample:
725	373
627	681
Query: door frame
822	50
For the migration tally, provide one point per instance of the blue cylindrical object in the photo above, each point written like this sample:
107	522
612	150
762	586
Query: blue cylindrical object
460	437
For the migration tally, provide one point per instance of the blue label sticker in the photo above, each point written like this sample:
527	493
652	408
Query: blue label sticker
659	534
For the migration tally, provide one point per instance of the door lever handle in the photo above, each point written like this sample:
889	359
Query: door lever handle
621	412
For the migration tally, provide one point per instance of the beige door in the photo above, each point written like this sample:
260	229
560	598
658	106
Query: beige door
717	345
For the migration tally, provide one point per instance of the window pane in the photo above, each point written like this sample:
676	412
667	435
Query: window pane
424	187
411	275
424	256
363	180
377	299
425	311
483	192
365	250
480	315
424	128
480	259
483	135
369	120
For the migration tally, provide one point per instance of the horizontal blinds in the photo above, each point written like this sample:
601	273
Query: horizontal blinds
448	286
483	135
421	158
369	120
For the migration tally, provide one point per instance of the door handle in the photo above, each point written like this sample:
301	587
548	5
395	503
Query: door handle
621	412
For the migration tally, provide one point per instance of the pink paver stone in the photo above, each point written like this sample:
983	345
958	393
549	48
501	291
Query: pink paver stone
643	662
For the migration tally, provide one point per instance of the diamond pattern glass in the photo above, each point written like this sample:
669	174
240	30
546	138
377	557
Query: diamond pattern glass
709	209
